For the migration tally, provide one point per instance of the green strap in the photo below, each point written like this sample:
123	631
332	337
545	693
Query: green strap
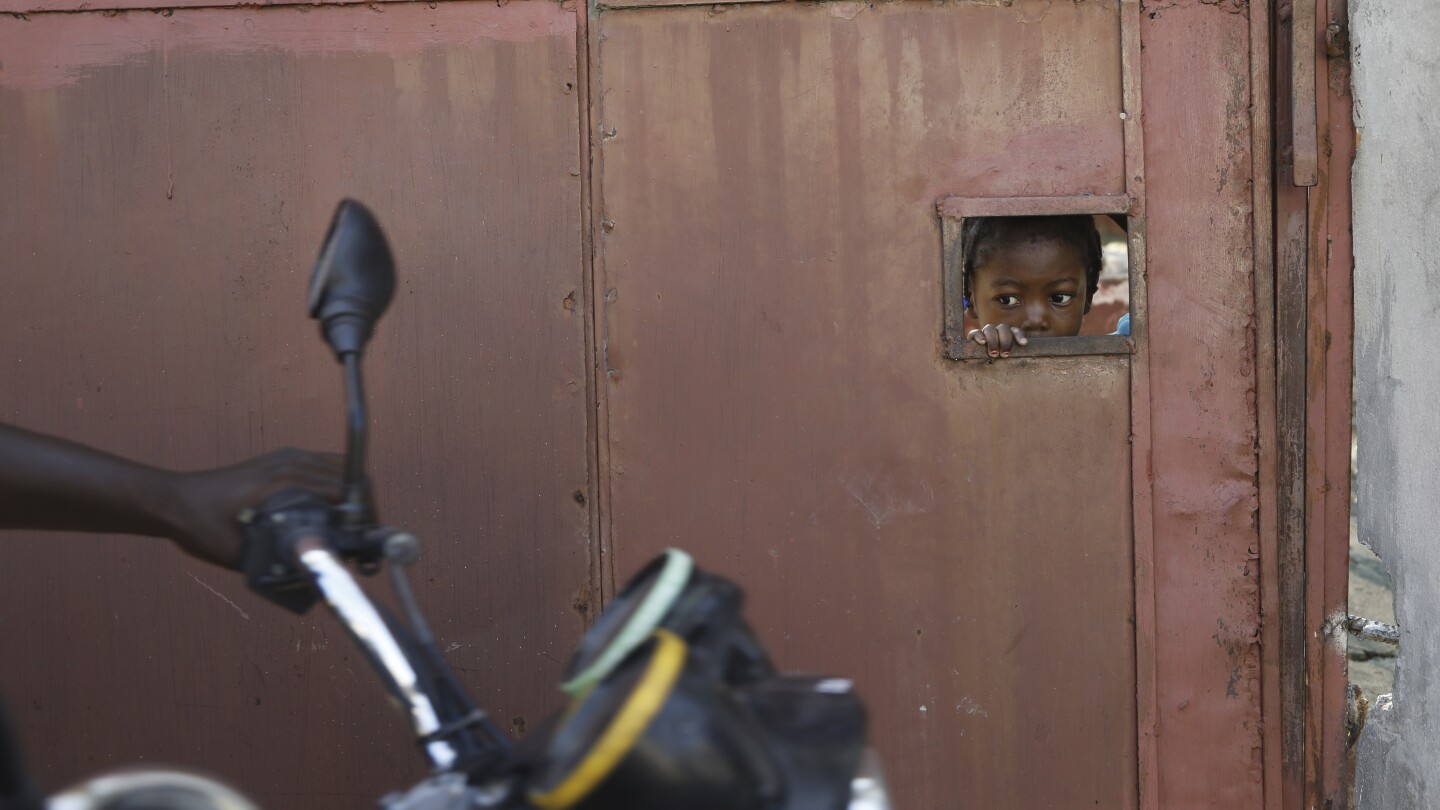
668	585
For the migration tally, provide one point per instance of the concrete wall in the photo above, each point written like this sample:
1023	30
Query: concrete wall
1397	376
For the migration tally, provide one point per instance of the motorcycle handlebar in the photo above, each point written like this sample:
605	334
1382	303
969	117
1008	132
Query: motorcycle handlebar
364	623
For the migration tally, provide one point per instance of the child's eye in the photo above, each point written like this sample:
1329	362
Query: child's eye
1061	299
1008	301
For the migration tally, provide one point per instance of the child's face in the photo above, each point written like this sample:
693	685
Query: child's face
1037	286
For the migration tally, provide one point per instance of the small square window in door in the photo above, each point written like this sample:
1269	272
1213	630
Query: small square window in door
1051	271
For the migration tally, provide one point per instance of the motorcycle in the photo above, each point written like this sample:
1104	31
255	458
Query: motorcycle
673	700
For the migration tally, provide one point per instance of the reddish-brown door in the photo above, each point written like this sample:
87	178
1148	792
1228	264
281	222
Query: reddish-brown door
955	535
167	178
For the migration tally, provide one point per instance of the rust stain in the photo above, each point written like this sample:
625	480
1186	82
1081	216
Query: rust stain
1154	9
34	59
582	603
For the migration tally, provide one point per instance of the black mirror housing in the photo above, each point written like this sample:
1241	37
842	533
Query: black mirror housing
353	280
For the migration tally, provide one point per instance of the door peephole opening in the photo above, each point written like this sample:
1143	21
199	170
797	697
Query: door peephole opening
1016	283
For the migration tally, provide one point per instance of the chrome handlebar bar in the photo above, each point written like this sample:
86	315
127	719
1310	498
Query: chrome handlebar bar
356	612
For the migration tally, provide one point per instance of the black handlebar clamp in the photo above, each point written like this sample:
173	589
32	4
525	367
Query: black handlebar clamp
271	532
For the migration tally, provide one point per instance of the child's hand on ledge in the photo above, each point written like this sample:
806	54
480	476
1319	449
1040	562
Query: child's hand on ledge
1000	339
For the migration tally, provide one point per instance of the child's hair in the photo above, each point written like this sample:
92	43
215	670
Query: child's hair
982	235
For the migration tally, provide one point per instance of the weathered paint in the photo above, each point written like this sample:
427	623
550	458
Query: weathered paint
1313	302
1329	391
1266	406
1291	323
162	204
1202	413
1304	112
52	50
961	207
500	25
777	398
1141	446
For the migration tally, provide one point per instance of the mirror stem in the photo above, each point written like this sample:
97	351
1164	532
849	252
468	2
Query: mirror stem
355	502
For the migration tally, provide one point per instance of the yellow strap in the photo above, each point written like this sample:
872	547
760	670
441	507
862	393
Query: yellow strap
624	731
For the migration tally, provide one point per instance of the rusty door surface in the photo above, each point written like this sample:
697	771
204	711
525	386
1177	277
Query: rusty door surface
167	178
1032	568
672	274
779	402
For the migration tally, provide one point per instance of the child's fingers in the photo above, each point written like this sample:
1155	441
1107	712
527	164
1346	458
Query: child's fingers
998	338
992	339
1007	339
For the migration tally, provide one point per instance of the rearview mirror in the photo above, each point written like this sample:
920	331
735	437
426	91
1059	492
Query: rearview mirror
353	280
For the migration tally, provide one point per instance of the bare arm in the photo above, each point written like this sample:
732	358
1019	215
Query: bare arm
50	483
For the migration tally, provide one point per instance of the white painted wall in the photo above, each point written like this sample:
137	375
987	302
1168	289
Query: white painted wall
1396	58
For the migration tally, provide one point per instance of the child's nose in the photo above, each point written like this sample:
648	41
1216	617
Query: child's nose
1036	318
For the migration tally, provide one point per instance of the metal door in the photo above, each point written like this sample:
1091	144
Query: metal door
167	179
1046	575
779	400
